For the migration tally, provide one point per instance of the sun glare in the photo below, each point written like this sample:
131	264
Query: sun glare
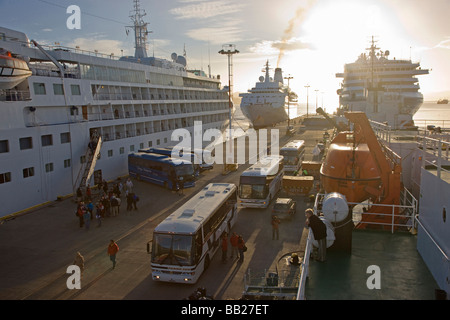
337	32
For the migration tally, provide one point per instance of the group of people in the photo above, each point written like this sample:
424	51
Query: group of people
237	247
316	225
108	205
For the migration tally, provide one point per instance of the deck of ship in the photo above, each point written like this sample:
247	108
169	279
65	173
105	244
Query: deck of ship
344	276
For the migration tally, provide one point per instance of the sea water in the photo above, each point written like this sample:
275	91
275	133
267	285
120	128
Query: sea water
430	113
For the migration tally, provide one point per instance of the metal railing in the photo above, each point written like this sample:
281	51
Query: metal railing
281	284
304	268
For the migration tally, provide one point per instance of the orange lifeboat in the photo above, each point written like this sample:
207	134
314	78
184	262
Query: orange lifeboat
350	169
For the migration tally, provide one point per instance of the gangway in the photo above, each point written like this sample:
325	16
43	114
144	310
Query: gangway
91	155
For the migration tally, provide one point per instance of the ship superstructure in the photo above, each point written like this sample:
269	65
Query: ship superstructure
73	96
264	104
387	90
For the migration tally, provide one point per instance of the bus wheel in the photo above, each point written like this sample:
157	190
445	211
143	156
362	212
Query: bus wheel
207	262
165	185
138	177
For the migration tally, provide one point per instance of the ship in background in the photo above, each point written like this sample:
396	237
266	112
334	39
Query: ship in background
385	89
264	104
56	100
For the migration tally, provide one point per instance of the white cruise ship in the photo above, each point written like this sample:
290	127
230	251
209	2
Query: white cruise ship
385	89
48	115
264	104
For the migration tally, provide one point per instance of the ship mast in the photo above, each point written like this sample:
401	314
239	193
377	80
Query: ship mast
372	87
140	30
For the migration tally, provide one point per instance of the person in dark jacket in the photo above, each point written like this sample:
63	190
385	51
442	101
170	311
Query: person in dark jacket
319	230
224	247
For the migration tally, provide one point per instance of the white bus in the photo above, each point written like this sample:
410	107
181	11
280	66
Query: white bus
260	183
184	244
294	154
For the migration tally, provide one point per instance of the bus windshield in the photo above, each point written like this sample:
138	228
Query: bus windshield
290	160
172	249
252	191
184	170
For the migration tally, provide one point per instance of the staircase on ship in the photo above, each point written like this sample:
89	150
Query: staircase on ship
91	156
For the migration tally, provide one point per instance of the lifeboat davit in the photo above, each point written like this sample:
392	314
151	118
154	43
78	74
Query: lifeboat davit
350	169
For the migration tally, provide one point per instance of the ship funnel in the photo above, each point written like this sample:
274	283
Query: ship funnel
278	77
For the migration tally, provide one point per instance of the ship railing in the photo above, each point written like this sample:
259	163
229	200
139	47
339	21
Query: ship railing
384	135
304	268
278	283
430	236
14	95
401	216
50	71
435	153
94	53
423	124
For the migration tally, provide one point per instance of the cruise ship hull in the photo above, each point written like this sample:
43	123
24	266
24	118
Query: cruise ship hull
263	115
48	119
264	104
386	89
396	110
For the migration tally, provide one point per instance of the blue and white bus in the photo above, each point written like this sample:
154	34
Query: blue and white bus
183	245
162	170
168	152
294	154
260	183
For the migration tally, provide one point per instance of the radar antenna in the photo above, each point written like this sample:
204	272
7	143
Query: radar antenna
140	30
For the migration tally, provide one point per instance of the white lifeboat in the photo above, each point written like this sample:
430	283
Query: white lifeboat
12	71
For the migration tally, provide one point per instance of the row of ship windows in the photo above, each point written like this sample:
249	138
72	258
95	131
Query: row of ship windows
99	93
27	142
5	177
58	89
47	140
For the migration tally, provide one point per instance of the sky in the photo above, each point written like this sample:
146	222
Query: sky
310	40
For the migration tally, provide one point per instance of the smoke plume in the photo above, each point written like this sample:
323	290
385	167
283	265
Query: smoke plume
298	18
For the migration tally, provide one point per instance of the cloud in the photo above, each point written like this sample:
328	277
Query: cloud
47	30
267	47
102	46
223	32
201	10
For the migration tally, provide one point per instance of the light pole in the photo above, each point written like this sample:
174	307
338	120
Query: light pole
317	90
229	50
289	77
307	97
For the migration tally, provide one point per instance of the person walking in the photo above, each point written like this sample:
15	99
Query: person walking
241	248
129	200
114	205
79	195
113	248
87	219
90	208
234	245
275	222
224	247
99	213
319	230
79	261
129	185
81	209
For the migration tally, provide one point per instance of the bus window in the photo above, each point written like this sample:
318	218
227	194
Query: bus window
172	249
